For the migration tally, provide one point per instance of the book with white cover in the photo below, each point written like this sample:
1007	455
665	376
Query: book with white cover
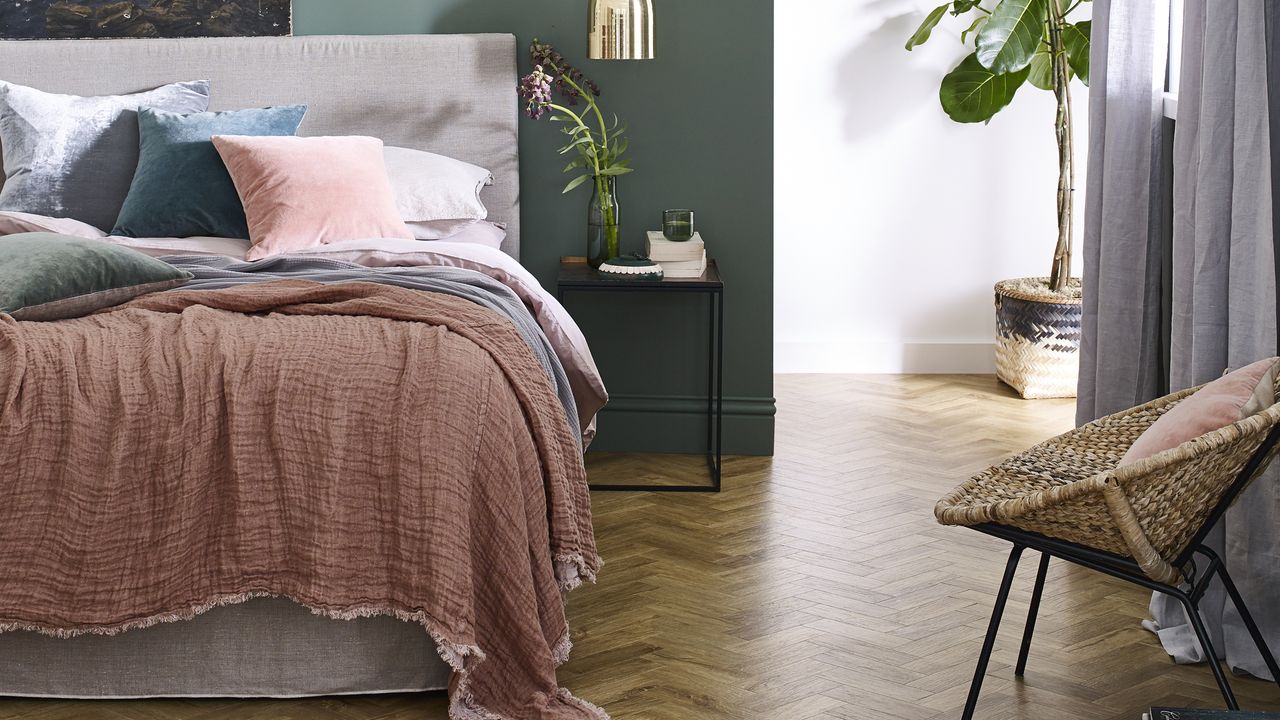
685	268
659	248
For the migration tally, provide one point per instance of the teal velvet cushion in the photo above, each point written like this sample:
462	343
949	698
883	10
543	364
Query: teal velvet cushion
181	187
44	276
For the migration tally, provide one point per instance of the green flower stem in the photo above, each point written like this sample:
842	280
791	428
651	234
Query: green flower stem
591	102
595	155
602	186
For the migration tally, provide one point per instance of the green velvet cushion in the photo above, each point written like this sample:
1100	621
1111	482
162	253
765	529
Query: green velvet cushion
181	187
44	276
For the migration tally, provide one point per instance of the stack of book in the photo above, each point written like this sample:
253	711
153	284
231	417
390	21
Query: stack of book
678	259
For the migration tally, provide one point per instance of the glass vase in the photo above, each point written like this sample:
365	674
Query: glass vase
602	221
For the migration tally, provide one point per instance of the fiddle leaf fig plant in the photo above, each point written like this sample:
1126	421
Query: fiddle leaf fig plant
1016	42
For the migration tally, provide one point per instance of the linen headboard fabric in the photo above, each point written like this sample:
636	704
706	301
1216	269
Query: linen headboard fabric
449	94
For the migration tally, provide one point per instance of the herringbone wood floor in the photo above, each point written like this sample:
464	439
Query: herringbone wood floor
818	586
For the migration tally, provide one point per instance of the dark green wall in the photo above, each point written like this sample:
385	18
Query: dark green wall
701	119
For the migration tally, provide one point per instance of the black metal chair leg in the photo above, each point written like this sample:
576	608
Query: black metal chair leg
1030	629
1249	623
1193	614
989	643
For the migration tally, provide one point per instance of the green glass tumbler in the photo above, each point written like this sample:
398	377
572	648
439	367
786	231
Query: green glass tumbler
677	225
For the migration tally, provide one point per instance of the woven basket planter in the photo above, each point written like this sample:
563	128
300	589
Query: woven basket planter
1038	338
1070	487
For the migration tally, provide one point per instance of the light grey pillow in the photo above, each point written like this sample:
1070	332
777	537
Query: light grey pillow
431	187
74	157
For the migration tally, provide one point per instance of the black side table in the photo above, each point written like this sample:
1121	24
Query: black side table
577	276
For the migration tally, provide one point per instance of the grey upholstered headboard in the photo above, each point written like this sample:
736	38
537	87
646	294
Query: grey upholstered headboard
450	94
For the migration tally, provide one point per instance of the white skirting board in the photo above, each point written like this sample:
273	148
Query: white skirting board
884	357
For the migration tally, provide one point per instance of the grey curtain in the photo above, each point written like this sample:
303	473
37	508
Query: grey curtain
1121	361
1224	291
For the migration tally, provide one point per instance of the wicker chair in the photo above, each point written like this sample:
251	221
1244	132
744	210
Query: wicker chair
1145	522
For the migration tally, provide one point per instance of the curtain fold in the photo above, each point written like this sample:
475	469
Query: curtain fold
1121	352
1224	292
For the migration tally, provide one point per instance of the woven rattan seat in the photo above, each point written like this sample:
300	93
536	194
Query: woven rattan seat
1070	487
1144	522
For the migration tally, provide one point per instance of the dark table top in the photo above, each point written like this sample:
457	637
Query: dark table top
576	273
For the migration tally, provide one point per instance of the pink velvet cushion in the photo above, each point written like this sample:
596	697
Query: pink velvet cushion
301	193
1224	401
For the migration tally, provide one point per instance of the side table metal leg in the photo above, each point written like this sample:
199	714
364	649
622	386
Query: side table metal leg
715	387
711	389
719	386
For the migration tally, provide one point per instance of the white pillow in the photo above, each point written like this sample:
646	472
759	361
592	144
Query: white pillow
430	187
439	229
472	232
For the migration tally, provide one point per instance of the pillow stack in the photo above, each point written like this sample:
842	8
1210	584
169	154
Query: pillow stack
157	164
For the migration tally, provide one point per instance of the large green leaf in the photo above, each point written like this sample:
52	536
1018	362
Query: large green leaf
1075	37
1009	39
921	35
1041	69
972	93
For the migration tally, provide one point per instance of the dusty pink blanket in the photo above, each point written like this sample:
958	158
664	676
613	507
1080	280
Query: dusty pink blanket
359	448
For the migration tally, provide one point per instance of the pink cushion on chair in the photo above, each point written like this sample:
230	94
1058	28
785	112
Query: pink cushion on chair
301	193
1224	401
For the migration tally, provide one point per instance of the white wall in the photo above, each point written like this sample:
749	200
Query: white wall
893	222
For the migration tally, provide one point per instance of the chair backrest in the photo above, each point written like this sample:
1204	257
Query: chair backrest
1182	493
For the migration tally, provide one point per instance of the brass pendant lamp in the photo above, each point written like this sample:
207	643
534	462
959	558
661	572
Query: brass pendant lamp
621	30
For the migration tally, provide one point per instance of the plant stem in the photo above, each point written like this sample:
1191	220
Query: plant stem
591	103
595	156
1060	273
601	181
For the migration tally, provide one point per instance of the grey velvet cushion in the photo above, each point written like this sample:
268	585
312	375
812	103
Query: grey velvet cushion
44	276
74	157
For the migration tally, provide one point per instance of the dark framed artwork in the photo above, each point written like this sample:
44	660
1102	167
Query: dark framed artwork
68	19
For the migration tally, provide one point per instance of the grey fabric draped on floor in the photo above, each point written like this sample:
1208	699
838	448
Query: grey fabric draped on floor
1217	286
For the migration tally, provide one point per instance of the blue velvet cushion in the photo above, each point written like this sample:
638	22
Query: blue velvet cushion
44	276
181	187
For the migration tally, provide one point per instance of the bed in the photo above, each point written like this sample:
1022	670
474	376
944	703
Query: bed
449	94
